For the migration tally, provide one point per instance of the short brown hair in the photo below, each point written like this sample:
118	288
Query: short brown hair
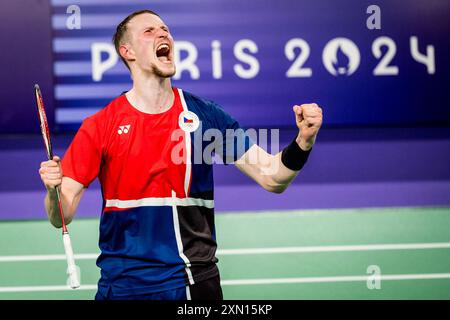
121	29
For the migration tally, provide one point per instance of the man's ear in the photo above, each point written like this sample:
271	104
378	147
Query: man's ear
126	52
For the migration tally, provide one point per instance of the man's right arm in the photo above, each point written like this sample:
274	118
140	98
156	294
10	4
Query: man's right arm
71	192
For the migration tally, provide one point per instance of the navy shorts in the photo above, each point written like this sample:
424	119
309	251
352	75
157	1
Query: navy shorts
209	289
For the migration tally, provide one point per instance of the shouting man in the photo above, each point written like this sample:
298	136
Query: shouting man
157	234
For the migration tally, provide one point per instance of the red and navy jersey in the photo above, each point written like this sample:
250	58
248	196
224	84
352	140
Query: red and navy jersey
157	226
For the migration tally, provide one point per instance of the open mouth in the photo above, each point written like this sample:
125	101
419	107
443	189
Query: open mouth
163	53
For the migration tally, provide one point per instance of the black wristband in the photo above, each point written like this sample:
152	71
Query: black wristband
294	157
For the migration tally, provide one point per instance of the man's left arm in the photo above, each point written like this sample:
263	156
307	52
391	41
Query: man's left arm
275	172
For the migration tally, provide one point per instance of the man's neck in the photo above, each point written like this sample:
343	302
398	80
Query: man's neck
151	93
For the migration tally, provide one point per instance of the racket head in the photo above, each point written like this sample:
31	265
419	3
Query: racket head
45	130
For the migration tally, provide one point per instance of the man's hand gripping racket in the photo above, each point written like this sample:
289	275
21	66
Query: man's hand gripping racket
72	269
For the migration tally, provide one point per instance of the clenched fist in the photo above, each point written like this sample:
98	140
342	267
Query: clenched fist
309	120
51	173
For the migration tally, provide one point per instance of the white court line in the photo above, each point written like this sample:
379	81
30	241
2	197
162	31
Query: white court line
240	282
275	250
369	247
49	257
46	288
390	277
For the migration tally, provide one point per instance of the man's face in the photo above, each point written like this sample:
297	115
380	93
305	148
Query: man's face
151	45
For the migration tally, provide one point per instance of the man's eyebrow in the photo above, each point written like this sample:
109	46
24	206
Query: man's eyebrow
152	27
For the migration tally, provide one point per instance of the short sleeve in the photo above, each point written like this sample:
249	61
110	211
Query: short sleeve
82	159
235	140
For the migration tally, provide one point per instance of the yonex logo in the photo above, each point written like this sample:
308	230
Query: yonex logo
124	129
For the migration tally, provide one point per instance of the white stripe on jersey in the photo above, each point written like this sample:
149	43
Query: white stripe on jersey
188	293
187	177
155	202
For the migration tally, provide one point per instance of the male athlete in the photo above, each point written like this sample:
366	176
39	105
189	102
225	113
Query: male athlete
157	234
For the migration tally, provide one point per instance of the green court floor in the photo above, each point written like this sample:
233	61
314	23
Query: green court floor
323	254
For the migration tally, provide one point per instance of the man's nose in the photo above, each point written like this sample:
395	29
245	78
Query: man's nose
162	33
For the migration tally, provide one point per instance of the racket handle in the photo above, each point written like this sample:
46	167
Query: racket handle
72	269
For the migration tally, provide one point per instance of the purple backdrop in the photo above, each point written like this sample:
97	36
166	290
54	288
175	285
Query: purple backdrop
25	59
348	168
380	165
